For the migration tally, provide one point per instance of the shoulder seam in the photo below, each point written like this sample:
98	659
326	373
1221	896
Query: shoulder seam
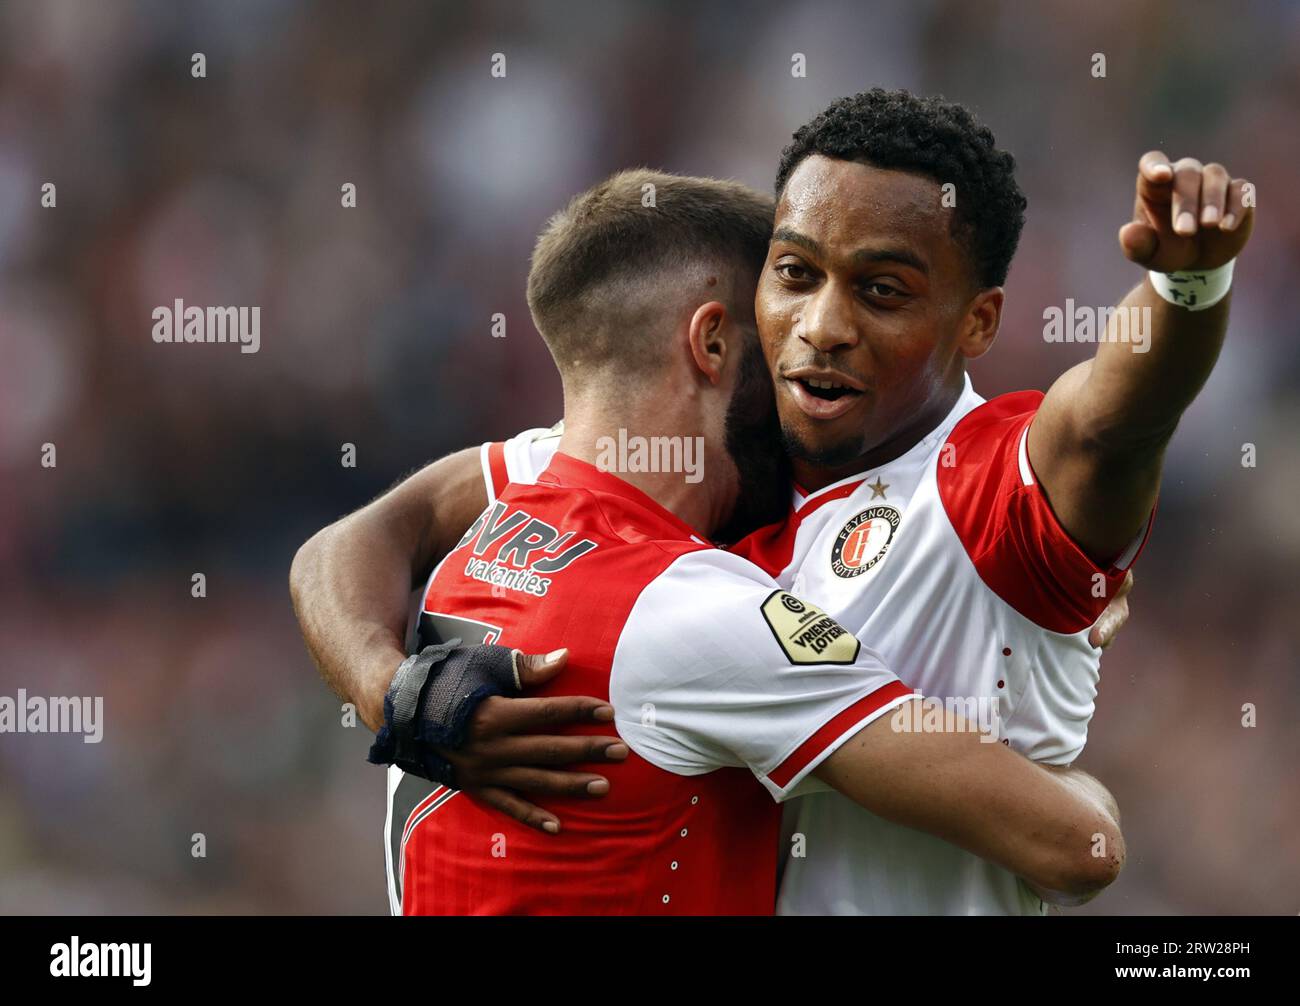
656	542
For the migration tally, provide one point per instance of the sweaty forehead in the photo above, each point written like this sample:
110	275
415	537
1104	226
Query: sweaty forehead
844	205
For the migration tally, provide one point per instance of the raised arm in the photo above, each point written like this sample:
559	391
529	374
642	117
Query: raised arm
351	582
1056	828
1098	440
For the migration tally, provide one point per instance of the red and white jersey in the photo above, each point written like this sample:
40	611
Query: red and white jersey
949	562
728	690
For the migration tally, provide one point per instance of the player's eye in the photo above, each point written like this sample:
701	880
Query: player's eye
792	271
883	290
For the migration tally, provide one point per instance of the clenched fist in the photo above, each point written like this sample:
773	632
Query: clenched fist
1187	216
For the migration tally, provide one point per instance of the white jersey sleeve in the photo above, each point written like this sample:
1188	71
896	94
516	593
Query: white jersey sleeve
717	667
520	459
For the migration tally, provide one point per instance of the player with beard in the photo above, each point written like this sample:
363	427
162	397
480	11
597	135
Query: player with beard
974	543
717	677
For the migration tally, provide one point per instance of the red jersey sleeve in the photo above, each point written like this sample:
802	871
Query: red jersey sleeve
995	505
520	459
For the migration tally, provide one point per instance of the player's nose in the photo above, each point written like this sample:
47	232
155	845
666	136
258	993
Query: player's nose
826	320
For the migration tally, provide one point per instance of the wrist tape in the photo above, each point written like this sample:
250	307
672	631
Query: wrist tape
1194	290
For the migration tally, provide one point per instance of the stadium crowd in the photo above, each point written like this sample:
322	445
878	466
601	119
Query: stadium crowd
376	331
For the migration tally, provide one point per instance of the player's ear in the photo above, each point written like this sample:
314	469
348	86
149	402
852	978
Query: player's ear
707	337
980	326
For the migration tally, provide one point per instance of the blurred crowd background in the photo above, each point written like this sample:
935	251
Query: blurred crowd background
376	331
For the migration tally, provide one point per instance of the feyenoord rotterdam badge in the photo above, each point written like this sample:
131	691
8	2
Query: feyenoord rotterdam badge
864	540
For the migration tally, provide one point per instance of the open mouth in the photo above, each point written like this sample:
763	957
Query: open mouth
827	391
822	397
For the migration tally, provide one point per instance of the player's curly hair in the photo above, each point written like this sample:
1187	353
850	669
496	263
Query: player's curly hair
932	137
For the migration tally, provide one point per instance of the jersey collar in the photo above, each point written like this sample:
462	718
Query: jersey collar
566	471
966	401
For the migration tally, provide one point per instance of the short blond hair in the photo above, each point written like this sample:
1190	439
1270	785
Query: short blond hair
616	255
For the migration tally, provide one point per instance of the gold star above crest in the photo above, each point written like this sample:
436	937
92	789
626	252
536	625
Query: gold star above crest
877	488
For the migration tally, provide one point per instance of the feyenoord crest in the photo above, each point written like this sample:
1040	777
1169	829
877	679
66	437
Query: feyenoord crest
864	540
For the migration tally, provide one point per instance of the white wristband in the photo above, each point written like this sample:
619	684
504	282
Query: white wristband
1194	290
